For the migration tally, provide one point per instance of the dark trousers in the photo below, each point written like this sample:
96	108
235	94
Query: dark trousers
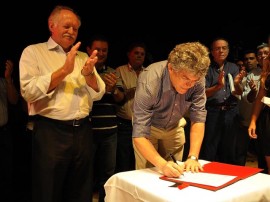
220	139
104	152
263	140
22	160
6	162
242	145
125	157
61	162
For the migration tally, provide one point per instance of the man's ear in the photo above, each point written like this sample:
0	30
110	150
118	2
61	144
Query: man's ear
170	67
51	25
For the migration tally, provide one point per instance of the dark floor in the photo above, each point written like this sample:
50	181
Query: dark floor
252	160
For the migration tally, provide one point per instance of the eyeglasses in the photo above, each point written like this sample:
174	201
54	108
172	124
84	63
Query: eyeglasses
263	53
186	80
223	48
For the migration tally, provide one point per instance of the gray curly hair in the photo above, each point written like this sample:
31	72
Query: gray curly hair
190	56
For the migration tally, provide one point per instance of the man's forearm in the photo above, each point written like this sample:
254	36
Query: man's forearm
196	138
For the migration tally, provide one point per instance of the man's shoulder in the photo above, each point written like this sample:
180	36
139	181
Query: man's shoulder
37	48
125	66
256	72
156	68
37	45
231	65
160	64
154	73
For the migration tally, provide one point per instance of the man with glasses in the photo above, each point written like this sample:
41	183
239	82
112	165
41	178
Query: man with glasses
252	90
262	53
221	105
165	91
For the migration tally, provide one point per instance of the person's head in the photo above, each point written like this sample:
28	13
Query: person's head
220	50
101	44
188	63
262	52
241	66
64	25
239	63
136	54
250	60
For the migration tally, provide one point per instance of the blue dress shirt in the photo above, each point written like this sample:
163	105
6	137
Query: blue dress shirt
157	104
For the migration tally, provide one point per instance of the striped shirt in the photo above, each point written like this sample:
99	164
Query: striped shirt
157	104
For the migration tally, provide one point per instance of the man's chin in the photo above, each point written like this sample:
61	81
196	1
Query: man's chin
182	91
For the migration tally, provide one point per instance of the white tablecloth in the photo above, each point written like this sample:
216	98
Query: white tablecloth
145	185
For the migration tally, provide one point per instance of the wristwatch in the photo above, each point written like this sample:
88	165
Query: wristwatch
192	157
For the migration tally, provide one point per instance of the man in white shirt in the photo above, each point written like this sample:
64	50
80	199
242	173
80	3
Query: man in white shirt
60	84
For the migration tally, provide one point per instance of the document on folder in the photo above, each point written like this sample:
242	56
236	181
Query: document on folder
215	176
209	179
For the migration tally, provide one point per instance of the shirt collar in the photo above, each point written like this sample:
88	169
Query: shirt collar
52	45
130	68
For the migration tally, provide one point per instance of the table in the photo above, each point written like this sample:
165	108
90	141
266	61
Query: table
145	185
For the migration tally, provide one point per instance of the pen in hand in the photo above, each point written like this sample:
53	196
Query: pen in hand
174	160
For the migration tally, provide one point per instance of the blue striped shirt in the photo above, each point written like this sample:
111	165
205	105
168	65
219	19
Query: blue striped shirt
157	104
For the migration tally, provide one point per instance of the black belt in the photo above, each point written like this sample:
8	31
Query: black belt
223	107
74	122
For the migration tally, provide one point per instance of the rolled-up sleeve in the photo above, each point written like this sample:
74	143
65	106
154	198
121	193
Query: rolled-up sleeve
197	111
33	85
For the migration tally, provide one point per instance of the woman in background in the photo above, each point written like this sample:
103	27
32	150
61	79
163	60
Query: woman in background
260	119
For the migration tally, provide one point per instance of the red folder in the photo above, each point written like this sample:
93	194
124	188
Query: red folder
241	172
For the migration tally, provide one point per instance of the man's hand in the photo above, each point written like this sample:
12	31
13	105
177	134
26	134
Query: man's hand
221	79
253	85
70	60
88	67
193	165
171	169
110	80
252	130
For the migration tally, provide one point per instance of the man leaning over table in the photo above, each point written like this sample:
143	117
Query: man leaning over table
165	91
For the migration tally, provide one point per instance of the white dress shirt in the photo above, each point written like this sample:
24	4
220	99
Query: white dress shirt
71	99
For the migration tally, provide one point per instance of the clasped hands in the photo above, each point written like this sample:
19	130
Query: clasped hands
253	85
110	79
88	68
221	79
